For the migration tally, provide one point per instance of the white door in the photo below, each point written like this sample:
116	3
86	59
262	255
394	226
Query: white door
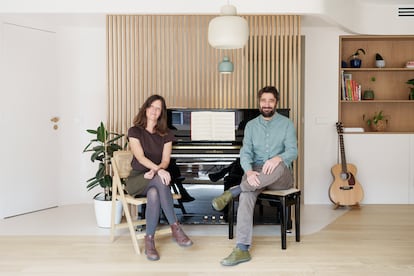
28	140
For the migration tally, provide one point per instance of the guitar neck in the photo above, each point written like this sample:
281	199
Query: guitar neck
343	159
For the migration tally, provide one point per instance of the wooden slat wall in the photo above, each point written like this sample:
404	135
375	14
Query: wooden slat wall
170	55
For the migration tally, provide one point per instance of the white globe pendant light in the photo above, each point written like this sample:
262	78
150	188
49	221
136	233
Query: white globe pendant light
228	31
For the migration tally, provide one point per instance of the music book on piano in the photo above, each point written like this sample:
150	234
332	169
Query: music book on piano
212	125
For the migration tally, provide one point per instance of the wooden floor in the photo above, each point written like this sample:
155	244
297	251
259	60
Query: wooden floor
372	240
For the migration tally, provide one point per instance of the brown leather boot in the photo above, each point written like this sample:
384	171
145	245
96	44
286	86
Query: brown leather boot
150	250
179	236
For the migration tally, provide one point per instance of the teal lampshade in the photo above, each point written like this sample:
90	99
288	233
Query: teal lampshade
226	66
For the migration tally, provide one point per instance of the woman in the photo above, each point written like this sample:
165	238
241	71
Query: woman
151	143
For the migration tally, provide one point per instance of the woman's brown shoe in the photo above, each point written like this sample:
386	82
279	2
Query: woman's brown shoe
179	235
150	250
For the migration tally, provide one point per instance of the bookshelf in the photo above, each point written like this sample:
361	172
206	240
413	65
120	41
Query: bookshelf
391	93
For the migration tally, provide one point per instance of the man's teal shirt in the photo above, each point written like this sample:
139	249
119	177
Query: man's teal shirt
264	140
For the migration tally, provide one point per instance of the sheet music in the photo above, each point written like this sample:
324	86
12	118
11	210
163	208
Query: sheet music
214	126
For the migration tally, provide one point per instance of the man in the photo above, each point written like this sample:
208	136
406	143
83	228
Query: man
269	147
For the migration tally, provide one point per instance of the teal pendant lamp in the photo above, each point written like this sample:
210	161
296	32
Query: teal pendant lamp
226	66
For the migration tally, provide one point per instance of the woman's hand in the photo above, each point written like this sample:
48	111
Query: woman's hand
149	174
165	176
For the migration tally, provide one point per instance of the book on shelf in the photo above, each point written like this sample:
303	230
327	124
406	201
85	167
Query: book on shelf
351	90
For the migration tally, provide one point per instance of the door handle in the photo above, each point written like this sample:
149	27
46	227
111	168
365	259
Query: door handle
55	120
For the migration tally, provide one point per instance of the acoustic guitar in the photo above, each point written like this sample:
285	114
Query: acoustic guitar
345	190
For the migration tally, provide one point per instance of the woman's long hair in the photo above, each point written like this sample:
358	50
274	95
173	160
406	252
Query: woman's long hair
141	118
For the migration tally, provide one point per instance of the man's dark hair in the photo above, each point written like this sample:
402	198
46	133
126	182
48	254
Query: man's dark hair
268	89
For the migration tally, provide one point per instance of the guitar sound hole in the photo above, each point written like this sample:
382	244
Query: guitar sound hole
344	176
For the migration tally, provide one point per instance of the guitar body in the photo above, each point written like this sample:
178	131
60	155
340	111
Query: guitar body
345	190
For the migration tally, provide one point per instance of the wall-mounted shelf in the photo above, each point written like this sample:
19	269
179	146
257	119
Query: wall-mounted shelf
390	89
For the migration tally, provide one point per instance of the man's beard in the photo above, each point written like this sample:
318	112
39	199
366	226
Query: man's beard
267	113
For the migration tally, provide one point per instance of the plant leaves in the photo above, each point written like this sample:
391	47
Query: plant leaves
102	148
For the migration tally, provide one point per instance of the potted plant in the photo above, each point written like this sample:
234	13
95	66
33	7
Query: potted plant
369	93
377	122
379	61
411	95
355	61
102	146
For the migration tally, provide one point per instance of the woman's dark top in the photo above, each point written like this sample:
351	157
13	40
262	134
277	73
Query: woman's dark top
152	145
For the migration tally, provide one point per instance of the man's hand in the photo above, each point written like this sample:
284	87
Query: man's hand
271	164
252	178
165	176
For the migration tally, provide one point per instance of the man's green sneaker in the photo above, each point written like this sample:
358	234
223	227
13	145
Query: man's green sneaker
236	257
221	201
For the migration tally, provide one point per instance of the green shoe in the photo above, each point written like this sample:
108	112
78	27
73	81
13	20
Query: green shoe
221	201
236	257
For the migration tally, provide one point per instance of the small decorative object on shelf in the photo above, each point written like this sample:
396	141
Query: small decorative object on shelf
411	95
377	122
355	61
409	64
379	61
369	93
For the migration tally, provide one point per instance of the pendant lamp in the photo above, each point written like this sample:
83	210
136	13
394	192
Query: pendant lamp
228	31
226	66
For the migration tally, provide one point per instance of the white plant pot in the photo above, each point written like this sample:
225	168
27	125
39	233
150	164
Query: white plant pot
103	211
380	63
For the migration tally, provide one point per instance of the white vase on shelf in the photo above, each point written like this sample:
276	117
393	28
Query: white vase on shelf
380	63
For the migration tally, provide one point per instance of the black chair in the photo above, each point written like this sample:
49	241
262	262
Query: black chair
283	200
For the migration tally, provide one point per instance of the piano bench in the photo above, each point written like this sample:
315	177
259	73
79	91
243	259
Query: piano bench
283	199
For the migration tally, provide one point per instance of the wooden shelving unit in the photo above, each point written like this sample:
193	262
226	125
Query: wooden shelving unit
390	88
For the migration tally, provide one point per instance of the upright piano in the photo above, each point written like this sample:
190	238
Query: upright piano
197	158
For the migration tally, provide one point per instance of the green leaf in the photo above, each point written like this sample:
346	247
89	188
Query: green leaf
99	148
106	181
410	82
117	137
360	50
97	155
90	179
93	184
91	131
102	133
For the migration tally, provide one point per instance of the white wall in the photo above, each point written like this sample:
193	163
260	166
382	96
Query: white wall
321	111
82	83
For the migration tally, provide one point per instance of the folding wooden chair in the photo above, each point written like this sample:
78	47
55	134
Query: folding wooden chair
121	167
